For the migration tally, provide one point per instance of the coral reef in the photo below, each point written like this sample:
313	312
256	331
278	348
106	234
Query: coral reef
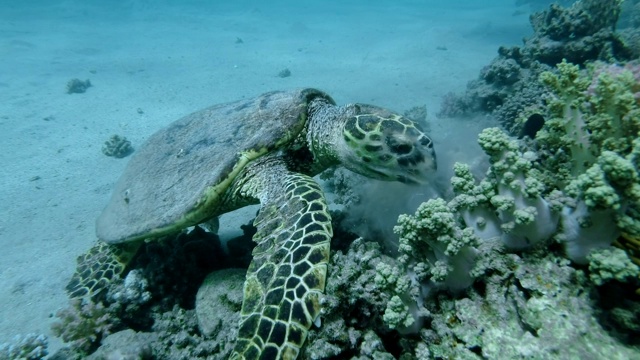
528	306
589	149
27	347
77	86
125	345
582	169
179	337
163	280
578	183
131	294
174	335
117	146
83	325
440	243
582	33
352	307
504	88
611	264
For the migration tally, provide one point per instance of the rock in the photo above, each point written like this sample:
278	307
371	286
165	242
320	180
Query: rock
125	345
218	303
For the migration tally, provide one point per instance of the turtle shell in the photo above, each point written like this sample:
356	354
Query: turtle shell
179	176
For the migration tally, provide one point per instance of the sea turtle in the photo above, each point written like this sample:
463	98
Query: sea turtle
261	150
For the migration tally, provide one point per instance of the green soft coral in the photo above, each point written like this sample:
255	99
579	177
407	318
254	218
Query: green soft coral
397	314
588	150
565	134
589	112
576	182
623	175
614	119
593	188
434	245
473	202
496	143
525	217
611	264
391	278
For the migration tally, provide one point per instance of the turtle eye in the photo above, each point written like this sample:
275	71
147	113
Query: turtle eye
401	149
399	146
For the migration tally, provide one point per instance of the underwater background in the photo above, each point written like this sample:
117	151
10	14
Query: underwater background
531	251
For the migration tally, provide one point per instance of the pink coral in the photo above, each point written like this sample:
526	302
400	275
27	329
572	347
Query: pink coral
614	71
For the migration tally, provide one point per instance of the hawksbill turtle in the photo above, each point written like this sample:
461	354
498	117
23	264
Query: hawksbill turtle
262	150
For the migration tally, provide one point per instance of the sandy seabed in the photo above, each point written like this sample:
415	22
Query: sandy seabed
151	63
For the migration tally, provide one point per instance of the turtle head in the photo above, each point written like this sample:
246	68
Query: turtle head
382	145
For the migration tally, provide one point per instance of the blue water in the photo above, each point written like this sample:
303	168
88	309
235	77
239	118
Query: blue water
151	62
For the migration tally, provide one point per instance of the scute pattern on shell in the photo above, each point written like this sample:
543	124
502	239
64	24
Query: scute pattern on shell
179	176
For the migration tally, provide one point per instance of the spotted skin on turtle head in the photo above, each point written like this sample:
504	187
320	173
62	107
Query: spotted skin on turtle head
387	146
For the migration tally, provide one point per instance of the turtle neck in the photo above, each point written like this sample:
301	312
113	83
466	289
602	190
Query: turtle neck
325	126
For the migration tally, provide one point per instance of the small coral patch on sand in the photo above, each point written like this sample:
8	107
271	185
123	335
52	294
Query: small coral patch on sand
117	146
77	86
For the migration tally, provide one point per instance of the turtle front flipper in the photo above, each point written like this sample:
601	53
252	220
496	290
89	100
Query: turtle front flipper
98	267
286	278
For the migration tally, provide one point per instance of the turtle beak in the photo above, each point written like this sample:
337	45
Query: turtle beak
418	161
